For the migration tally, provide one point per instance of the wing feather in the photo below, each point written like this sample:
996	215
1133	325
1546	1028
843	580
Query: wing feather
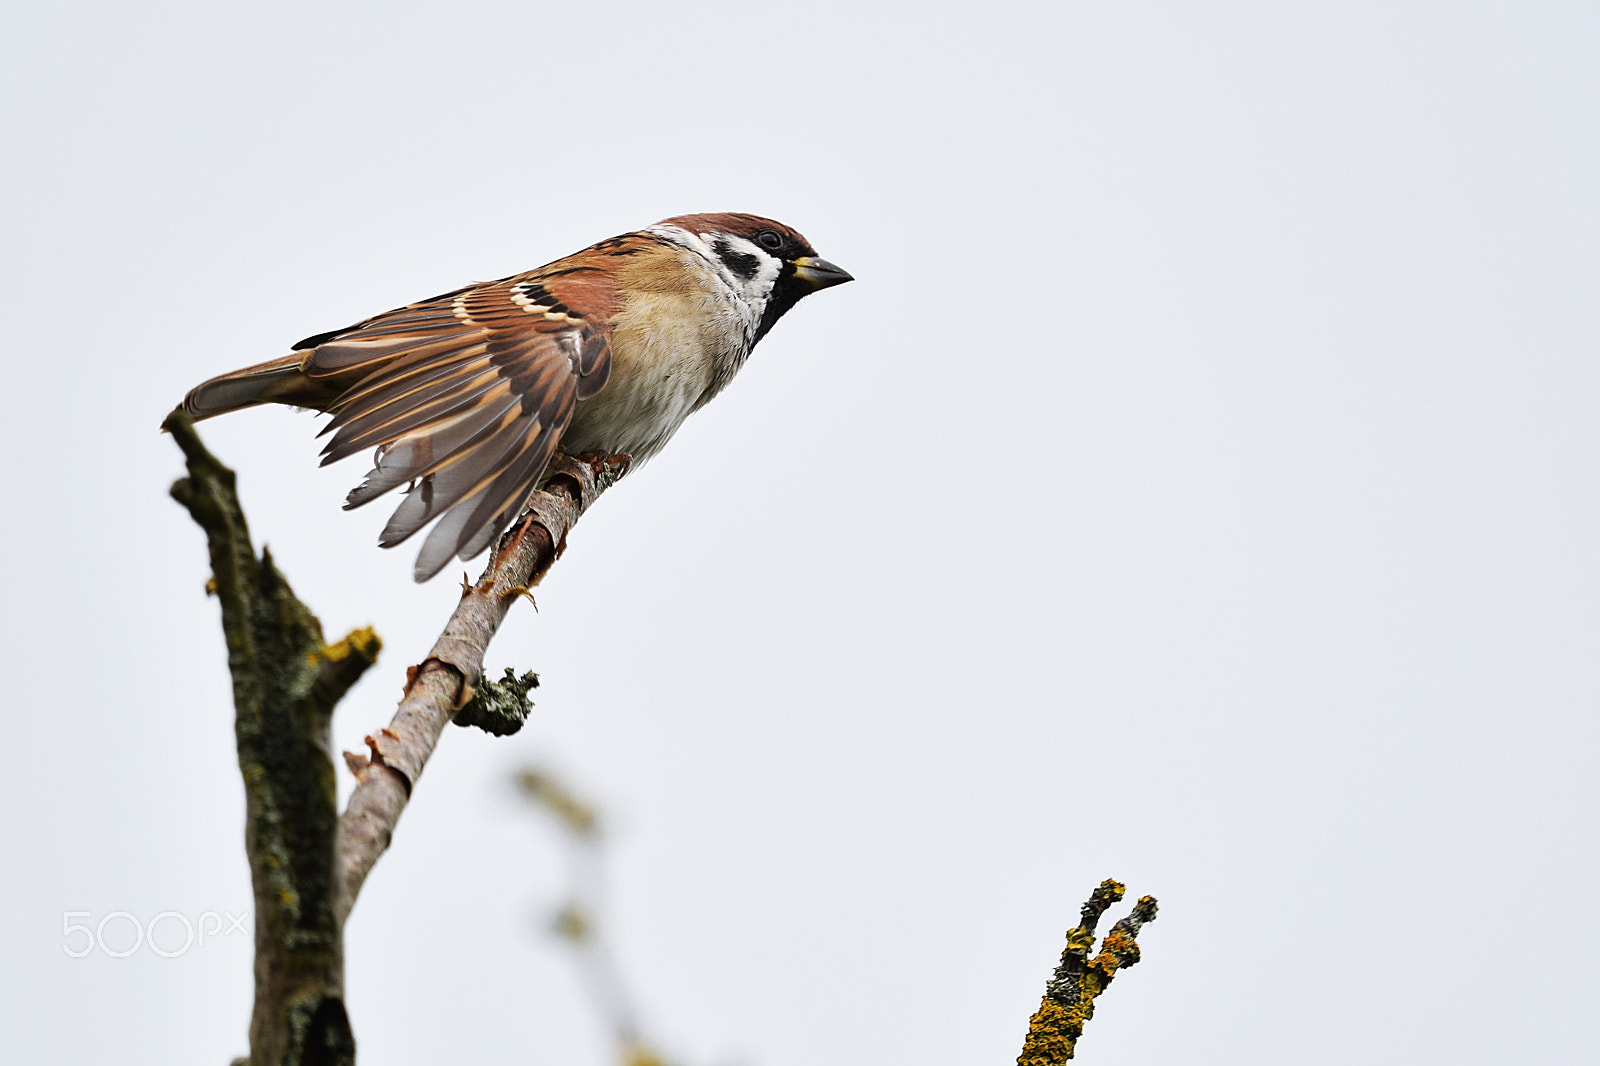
465	396
380	350
488	511
454	481
420	455
400	380
401	414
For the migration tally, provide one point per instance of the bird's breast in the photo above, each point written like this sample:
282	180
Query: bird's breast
671	351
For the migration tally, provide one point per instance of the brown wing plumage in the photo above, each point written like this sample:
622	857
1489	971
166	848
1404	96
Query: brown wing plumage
465	396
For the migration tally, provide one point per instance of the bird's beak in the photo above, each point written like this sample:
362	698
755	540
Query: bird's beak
818	273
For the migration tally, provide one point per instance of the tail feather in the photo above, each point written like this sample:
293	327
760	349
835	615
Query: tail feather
276	381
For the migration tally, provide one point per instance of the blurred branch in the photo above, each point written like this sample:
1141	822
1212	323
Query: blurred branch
579	922
544	789
286	681
1069	996
443	682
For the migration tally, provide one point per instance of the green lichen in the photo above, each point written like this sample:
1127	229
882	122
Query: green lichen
499	707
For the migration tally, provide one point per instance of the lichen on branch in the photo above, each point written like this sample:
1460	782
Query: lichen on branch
286	682
1078	980
499	707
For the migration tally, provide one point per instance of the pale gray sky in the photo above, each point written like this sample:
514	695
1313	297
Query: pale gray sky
1196	488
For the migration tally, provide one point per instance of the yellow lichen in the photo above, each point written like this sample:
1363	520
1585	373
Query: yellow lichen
364	642
1052	1036
637	1054
1069	1000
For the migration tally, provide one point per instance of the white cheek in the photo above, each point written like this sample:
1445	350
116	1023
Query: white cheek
757	288
760	286
751	294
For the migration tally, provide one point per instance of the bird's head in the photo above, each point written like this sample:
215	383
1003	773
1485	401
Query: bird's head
769	264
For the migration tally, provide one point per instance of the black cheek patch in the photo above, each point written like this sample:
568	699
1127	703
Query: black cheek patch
741	263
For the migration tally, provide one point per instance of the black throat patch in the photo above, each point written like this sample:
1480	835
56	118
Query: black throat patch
785	294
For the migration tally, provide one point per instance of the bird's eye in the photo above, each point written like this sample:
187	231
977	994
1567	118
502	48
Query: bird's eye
769	239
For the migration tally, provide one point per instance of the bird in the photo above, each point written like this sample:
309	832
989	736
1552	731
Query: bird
467	396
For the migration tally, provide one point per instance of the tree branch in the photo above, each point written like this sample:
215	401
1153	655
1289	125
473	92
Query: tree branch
443	682
1069	996
286	681
307	864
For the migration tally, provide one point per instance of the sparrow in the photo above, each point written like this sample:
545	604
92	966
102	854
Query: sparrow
467	396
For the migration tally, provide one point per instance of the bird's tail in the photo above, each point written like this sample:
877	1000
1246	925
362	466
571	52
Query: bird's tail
275	381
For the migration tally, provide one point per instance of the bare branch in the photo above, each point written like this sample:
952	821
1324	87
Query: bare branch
443	682
286	681
1069	996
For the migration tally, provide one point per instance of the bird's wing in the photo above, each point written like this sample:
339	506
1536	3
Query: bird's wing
466	396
